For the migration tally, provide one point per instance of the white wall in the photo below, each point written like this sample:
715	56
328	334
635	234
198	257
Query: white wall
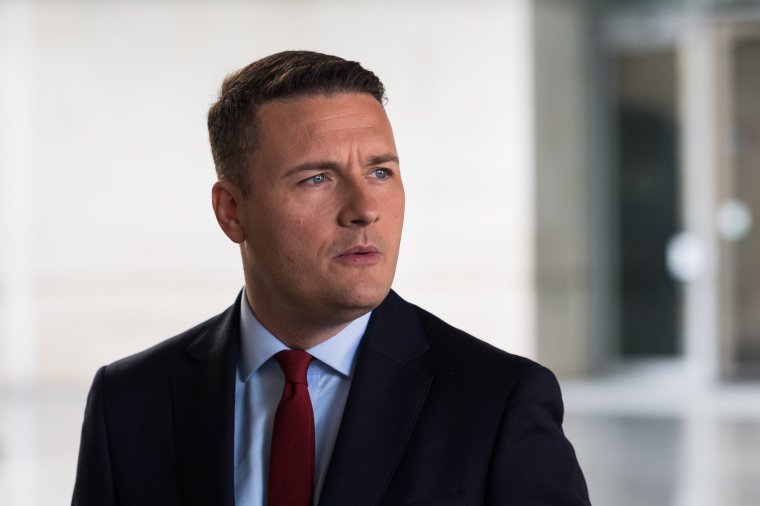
567	188
112	176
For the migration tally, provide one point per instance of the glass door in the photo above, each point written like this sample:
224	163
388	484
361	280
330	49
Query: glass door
738	216
645	134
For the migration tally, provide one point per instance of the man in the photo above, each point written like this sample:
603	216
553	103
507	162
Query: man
387	405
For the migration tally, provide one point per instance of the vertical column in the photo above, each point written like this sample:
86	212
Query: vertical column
697	69
697	483
19	337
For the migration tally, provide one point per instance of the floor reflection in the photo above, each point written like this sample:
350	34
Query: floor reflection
629	460
634	460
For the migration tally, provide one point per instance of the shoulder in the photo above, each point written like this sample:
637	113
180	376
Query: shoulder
454	356
165	354
175	355
456	346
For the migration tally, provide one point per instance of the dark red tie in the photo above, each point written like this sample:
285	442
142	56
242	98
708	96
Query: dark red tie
291	461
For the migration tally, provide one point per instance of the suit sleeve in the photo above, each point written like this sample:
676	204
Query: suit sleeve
533	462
94	480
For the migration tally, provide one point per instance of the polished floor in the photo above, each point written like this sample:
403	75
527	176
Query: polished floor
655	458
658	462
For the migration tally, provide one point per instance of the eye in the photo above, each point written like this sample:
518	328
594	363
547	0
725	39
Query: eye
381	173
316	180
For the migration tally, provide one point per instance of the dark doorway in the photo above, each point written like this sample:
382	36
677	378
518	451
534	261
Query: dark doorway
646	138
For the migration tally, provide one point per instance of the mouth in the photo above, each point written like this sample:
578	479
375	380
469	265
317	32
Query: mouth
360	255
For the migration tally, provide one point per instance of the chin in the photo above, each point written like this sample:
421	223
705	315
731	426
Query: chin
360	300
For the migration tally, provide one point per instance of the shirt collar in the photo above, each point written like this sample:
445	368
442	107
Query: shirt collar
258	344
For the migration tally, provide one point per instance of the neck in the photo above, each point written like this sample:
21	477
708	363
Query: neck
302	338
296	333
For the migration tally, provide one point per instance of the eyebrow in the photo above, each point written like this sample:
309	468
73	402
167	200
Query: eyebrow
334	166
381	159
313	166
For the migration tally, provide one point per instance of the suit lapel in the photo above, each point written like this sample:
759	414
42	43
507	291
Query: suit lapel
204	400
382	407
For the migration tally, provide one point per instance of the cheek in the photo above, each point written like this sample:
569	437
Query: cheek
301	232
396	210
301	235
283	218
302	226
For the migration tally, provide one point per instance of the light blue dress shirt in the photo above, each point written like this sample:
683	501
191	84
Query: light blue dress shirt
258	389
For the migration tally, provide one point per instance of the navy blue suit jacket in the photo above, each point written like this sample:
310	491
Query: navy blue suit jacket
434	417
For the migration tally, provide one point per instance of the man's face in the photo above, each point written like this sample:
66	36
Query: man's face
323	221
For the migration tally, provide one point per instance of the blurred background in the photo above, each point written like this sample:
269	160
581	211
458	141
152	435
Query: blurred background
583	188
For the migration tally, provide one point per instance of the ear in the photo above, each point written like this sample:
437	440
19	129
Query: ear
227	200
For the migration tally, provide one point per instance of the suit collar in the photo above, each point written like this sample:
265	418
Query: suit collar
395	330
204	406
217	332
382	408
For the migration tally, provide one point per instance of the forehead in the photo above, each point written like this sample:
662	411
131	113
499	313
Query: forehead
324	118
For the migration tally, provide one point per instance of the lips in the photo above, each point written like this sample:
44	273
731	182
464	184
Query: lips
360	255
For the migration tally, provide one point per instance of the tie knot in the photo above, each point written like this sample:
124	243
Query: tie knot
294	364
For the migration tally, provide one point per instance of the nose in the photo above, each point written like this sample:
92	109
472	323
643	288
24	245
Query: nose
359	207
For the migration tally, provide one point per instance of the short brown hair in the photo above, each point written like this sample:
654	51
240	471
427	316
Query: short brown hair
232	123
